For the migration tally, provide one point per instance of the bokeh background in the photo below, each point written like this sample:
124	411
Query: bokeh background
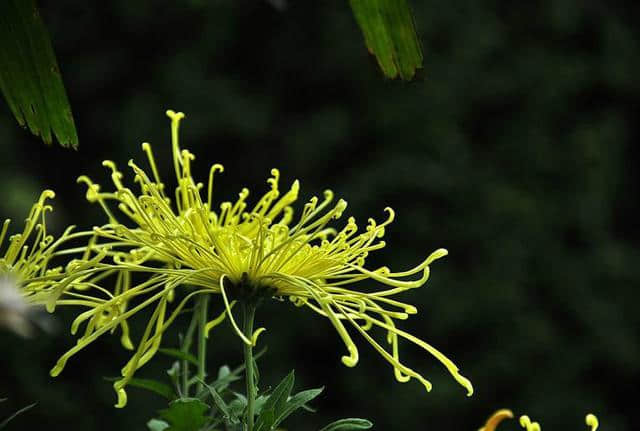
518	153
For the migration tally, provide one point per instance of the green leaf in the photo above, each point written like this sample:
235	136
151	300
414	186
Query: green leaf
29	75
280	394
222	383
236	407
223	372
187	414
389	32
267	418
150	385
258	405
10	418
157	425
275	403
218	401
224	379
348	425
294	403
178	354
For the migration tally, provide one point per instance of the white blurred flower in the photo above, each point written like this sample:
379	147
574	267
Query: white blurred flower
14	310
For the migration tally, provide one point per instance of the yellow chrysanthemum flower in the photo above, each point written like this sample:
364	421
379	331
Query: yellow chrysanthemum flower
244	253
21	260
591	421
28	256
26	277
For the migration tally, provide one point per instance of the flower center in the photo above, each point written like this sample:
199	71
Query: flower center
249	292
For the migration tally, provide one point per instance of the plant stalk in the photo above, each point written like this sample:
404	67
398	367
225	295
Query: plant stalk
202	309
186	347
249	314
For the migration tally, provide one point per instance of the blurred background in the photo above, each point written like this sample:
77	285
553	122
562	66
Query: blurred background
517	152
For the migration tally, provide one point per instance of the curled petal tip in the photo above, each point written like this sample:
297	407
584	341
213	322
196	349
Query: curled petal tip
256	334
466	383
352	359
174	115
441	252
495	419
122	398
349	361
526	423
48	194
427	385
592	421
126	342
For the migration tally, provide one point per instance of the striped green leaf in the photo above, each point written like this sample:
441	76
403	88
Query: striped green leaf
29	75
389	32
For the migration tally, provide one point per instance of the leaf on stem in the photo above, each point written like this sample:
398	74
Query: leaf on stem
187	414
157	425
218	401
179	354
275	403
390	34
29	75
294	403
348	425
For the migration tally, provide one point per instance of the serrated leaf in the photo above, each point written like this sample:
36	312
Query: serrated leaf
159	388
29	75
294	403
348	425
157	425
390	34
187	414
179	354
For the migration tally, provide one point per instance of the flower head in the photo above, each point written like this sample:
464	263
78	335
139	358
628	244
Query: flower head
245	253
21	259
591	421
25	273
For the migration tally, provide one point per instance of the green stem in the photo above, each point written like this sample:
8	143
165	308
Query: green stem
186	347
203	306
249	314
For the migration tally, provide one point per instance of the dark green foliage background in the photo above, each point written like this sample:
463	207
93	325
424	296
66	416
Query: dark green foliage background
517	153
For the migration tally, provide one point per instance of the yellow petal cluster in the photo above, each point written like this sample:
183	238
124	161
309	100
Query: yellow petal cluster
525	422
237	249
28	254
28	275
